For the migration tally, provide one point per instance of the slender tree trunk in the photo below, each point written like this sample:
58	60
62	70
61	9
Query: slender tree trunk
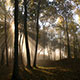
37	29
15	75
21	58
26	34
77	44
54	56
79	49
60	45
6	40
2	56
75	56
64	38
68	45
44	42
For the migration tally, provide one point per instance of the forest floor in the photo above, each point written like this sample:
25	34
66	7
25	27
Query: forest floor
47	70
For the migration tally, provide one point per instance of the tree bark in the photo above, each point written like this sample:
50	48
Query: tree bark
60	45
6	40
37	35
44	42
26	34
15	75
68	45
2	56
75	56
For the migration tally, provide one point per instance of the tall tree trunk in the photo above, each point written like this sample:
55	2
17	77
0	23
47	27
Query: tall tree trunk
60	45
64	38
6	40
77	44
26	34
2	56
75	56
68	45
15	66
37	35
54	56
44	43
21	59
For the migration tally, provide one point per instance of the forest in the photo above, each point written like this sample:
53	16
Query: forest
39	39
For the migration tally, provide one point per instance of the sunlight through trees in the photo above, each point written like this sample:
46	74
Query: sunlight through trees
37	33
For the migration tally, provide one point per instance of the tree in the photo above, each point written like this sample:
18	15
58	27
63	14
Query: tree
6	39
37	35
68	45
2	56
26	34
65	11
74	33
5	14
60	45
15	75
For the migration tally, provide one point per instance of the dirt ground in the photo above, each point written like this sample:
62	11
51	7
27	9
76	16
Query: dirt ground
46	70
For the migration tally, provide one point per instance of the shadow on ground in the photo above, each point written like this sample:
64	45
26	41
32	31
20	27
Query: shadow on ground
58	70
